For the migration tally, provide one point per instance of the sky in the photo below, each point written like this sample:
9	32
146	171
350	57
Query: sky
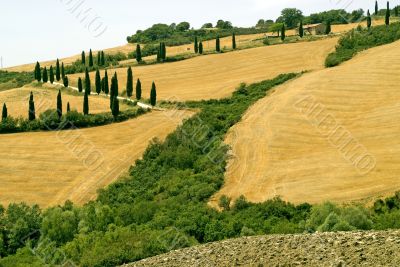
47	29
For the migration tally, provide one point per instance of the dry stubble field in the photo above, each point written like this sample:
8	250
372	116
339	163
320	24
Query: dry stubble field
279	150
47	168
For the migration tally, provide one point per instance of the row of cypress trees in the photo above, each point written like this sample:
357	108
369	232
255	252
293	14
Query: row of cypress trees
45	76
101	60
198	45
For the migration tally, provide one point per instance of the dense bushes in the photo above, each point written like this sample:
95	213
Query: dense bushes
110	60
361	39
10	80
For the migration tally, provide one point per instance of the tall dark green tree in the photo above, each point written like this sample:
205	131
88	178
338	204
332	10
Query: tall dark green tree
233	41
369	21
90	58
106	85
58	71
301	30
59	104
4	114
138	90
153	95
387	16
283	32
396	11
129	83
99	58
217	44
38	72
200	48
68	107
376	8
51	75
80	86
45	76
88	88
103	59
62	70
83	58
98	82
31	111
115	109
113	89
66	81
138	53
328	27
86	104
196	45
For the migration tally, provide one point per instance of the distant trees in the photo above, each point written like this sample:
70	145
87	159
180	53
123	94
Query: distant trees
99	58
291	17
86	104
66	82
283	32
376	8
387	16
138	53
328	27
183	26
138	89
4	113
51	75
83	58
233	41
38	74
45	77
129	82
396	11
58	72
80	86
221	24
200	48
368	19
98	82
31	111
301	30
59	104
62	70
217	44
90	58
196	45
162	52
207	26
87	82
106	86
103	59
153	95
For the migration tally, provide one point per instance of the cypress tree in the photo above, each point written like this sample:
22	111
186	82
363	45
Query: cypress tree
62	70
38	72
387	16
328	27
138	89
31	112
51	75
115	108
102	84
98	82
85	104
68	107
103	59
59	104
163	52
217	45
66	82
196	45
58	72
200	48
106	86
301	30
99	58
83	58
138	53
45	77
153	95
129	83
233	41
90	58
113	89
80	86
376	8
87	82
368	19
159	53
4	114
283	32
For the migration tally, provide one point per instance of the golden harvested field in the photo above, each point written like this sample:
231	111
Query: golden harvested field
329	135
217	76
46	98
48	168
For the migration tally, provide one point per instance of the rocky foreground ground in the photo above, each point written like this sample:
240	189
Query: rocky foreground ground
378	248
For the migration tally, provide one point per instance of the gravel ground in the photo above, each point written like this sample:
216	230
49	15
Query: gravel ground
370	248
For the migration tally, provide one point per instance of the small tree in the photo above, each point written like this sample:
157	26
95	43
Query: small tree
387	16
99	58
138	89
45	77
153	95
31	111
328	27
138	53
58	71
200	48
62	70
68	107
87	82
224	203
59	104
217	45
51	75
369	22
196	45
129	83
83	58
90	58
301	30
85	104
376	8
4	114
163	52
283	32
38	72
103	59
115	109
233	41
66	82
80	86
98	82
106	86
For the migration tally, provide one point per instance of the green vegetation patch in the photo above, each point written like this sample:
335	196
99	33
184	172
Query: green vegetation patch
9	80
